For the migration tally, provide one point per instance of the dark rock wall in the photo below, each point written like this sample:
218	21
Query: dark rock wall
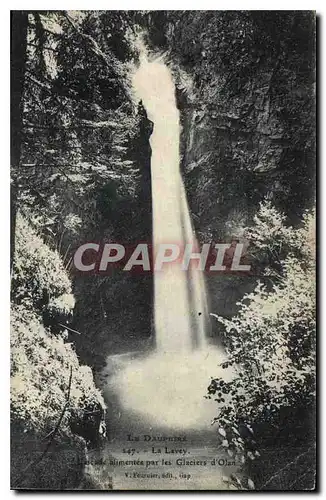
248	122
114	311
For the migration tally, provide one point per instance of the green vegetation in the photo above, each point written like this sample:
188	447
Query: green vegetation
83	173
55	407
39	272
272	344
80	172
75	177
41	364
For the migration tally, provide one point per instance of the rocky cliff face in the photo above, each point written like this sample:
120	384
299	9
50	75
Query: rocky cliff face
245	92
245	86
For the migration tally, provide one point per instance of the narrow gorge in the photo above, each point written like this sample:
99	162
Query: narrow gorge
172	130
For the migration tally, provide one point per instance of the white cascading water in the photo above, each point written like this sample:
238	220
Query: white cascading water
180	301
167	387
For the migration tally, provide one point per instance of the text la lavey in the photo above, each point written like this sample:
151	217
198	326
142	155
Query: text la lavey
166	450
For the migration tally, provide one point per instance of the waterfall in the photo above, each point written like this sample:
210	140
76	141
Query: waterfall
180	306
167	387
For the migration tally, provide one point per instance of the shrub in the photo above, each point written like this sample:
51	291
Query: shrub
271	240
40	372
39	279
271	341
56	409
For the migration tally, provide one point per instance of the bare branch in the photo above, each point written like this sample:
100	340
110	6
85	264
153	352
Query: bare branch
70	329
274	476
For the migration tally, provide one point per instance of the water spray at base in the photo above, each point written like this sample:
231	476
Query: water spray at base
167	390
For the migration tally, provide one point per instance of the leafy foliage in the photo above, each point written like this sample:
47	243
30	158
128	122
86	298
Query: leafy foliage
39	278
79	120
40	360
271	342
82	171
40	370
271	240
246	80
52	395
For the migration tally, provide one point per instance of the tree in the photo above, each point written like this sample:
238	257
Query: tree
18	63
85	172
271	344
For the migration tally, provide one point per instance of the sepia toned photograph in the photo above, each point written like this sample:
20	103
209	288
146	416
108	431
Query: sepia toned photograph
163	250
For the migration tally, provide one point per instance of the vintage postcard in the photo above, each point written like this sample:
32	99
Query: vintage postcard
163	250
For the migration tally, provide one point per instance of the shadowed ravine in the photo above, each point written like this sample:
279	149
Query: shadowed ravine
162	392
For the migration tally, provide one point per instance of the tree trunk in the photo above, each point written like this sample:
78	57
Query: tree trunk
18	41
